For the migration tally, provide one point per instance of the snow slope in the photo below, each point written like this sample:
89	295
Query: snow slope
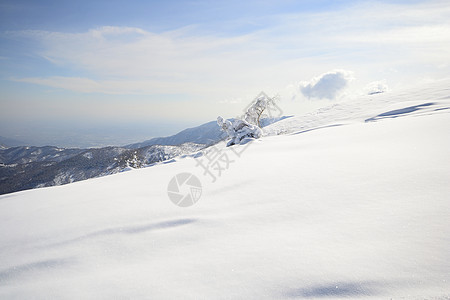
352	202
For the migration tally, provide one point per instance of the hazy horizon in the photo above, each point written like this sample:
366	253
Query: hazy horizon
90	135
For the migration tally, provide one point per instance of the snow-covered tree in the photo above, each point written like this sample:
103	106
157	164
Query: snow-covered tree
254	113
249	126
238	130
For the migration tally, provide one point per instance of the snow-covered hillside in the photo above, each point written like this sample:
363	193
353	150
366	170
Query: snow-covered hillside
33	167
352	201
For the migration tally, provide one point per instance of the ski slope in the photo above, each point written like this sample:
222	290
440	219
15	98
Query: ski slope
349	202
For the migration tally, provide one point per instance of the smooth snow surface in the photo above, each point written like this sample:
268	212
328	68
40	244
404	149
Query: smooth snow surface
352	201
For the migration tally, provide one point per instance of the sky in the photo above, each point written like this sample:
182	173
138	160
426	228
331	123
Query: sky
94	73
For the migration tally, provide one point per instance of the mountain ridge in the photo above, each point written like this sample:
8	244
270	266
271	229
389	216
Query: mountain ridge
207	134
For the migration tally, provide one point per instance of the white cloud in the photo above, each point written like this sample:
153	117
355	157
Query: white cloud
188	60
328	85
370	38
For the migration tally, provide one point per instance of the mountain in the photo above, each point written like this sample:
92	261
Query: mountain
207	134
28	154
348	202
24	168
28	167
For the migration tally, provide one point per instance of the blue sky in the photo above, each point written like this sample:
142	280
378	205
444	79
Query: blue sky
150	68
156	15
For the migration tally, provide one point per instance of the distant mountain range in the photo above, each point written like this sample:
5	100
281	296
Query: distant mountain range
34	167
29	154
27	167
206	134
